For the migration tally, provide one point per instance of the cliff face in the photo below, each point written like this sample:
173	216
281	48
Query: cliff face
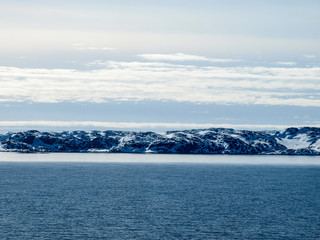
292	141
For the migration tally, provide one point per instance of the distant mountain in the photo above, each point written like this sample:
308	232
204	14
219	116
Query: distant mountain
292	141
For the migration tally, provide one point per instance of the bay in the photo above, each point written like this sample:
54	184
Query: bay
152	196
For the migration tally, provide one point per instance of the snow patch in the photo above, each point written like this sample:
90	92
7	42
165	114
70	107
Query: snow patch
298	142
204	132
239	137
316	146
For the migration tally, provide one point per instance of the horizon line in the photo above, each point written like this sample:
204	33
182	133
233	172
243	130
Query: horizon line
144	125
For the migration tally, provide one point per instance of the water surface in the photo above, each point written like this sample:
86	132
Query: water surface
174	198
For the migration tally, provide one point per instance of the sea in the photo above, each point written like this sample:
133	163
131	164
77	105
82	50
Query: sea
158	196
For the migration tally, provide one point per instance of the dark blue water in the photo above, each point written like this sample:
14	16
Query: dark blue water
158	201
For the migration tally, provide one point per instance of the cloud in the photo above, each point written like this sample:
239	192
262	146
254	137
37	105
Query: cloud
158	81
181	57
309	56
287	63
138	125
82	47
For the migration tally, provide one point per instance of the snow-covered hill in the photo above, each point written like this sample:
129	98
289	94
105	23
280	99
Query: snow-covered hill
304	141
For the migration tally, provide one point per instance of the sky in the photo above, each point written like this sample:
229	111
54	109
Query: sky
155	65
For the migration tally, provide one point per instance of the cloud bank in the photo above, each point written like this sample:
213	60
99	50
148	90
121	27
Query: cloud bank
160	81
287	63
181	57
138	125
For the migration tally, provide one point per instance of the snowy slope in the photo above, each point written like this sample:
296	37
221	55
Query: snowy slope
202	141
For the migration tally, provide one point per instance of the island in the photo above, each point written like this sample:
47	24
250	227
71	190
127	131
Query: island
291	141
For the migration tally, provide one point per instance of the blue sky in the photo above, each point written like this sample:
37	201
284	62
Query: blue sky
158	65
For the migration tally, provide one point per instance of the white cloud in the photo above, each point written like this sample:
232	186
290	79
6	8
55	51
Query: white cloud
181	57
286	63
309	56
135	81
82	47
